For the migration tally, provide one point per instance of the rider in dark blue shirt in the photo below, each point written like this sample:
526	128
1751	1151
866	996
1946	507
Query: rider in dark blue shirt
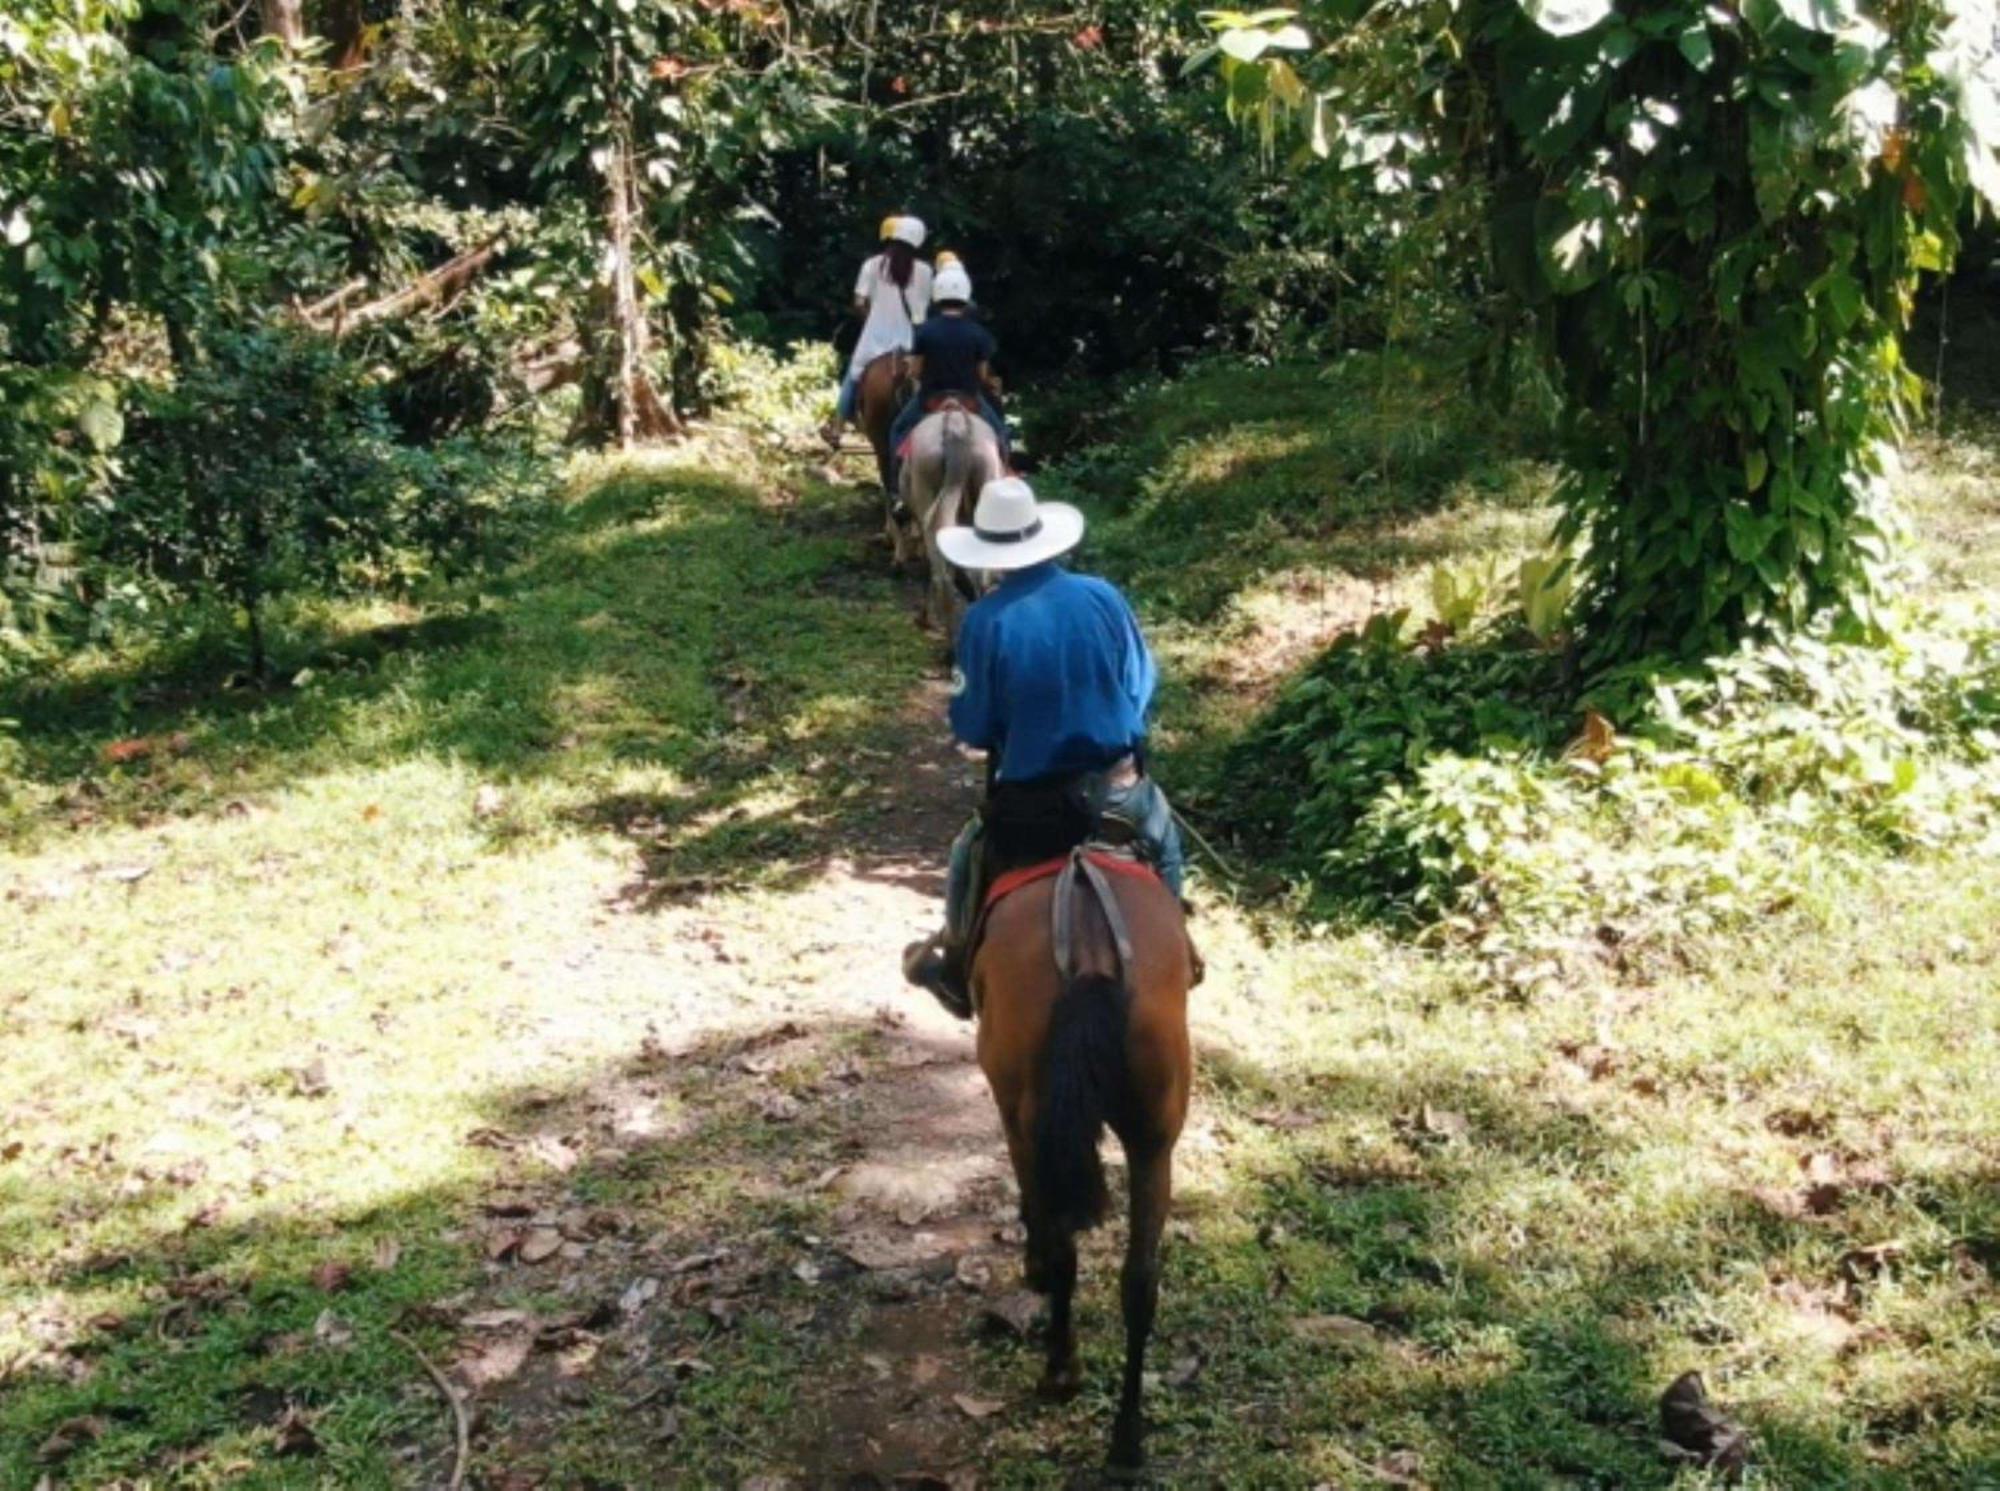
1053	681
951	354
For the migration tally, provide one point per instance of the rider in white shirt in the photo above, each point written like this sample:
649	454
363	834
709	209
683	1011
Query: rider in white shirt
894	290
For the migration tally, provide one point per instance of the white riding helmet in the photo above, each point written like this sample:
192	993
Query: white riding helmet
952	283
910	230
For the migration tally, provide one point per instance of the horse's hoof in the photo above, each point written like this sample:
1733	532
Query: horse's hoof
1127	1462
1059	1387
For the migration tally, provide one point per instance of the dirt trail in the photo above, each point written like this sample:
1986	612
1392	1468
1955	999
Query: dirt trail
798	1044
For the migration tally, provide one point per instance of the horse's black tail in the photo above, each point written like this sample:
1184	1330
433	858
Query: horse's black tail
1084	1082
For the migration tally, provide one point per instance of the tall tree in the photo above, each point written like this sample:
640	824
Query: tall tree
652	112
1717	217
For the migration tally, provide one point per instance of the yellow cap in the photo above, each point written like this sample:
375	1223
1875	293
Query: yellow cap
946	256
889	226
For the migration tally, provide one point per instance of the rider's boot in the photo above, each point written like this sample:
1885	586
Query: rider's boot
938	965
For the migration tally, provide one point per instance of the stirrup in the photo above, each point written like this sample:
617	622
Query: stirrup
927	965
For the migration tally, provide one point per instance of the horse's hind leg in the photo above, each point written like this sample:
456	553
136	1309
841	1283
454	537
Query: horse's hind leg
1049	1263
1057	1266
1152	1175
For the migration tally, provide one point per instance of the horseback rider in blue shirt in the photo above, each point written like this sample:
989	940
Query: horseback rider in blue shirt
1053	681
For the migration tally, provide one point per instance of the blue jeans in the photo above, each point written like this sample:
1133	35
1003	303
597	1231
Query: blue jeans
913	414
1143	805
850	391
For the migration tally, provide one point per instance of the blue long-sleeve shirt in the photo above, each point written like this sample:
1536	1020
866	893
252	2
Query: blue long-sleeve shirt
1053	675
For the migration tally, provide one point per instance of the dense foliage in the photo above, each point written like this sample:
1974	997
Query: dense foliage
1716	219
483	219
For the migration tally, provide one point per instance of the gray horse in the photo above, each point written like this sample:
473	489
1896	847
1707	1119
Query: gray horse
953	454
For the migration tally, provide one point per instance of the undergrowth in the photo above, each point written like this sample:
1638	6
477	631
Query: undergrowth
1471	783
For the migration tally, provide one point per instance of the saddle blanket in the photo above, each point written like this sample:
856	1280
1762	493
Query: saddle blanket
1013	880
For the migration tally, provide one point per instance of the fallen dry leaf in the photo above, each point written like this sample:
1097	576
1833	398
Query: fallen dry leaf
388	1253
1443	1122
779	1107
70	1436
1866	1263
1183	1372
540	1245
974	1273
638	1294
1342	1330
310	1081
1284	1118
555	1153
1010	1315
331	1330
925	1370
332	1276
977	1408
495	1320
503	1245
294	1432
495	1359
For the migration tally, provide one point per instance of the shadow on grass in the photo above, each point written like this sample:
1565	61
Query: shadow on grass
199	1346
1387	1268
1492	1351
680	645
1237	474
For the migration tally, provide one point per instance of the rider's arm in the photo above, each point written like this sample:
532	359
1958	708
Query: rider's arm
1140	675
974	712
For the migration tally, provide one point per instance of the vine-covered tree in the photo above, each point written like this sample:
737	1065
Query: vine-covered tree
1717	216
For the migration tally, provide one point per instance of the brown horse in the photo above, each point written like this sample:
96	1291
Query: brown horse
885	386
1067	1053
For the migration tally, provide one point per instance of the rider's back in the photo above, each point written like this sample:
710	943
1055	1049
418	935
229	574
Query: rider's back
1053	675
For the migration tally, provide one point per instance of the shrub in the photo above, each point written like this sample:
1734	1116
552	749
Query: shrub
1469	788
272	466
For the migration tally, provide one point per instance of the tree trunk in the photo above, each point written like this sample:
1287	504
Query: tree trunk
619	400
347	34
285	19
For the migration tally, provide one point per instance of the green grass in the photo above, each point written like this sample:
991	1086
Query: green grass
641	792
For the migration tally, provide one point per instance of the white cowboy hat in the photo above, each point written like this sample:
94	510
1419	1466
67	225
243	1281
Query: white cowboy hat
910	230
952	283
1011	530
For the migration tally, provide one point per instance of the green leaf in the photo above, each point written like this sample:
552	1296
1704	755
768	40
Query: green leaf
1819	15
1844	295
1745	533
1755	467
1566	17
1698	47
102	425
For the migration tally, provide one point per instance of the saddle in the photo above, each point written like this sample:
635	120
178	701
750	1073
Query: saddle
1038	830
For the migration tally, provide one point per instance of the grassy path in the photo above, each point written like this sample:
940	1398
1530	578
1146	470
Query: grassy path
521	985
